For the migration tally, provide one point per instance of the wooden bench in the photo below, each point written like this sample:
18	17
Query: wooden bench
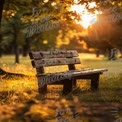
43	59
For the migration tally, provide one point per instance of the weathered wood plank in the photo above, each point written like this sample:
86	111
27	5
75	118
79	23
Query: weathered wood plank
35	55
49	78
54	62
88	72
78	72
53	54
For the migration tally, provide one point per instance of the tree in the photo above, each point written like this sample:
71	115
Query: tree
13	36
1	9
106	33
53	9
12	33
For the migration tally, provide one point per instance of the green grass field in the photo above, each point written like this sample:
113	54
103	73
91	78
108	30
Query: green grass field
22	93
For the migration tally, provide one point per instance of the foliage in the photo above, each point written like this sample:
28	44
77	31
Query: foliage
107	31
22	12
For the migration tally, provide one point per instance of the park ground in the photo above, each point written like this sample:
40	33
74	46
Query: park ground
20	101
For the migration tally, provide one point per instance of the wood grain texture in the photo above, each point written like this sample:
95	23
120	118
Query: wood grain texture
55	62
53	54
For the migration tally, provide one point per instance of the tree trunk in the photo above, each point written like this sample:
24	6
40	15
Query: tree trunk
97	53
112	54
1	9
0	52
15	44
16	48
16	53
109	54
26	48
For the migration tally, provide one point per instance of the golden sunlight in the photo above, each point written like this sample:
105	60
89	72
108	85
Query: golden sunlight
87	18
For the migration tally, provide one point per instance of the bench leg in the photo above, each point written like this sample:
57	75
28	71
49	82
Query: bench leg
67	87
42	90
74	82
95	82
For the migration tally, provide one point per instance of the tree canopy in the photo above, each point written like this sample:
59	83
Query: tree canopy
38	22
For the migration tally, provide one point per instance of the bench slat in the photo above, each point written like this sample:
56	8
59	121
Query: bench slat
55	62
35	55
88	72
70	71
52	78
53	54
77	72
45	79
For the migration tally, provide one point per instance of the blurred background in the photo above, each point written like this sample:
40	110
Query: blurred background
87	26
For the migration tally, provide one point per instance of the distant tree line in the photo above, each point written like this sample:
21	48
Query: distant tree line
15	14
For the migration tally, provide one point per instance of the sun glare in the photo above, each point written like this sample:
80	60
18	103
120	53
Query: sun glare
92	5
87	18
78	8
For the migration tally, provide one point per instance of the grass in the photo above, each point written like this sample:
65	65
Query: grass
20	95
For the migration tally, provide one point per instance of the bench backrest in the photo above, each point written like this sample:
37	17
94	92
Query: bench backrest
43	59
